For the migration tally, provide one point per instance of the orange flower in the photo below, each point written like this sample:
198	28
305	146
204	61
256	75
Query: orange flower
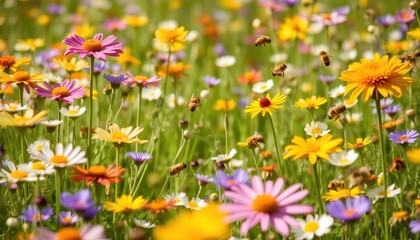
98	173
160	205
225	105
174	70
250	77
268	168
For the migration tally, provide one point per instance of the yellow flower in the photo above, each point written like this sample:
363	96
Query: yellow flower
224	105
413	155
72	65
119	136
360	143
22	78
171	38
8	63
43	20
292	28
198	224
125	204
29	44
135	21
231	4
27	120
414	34
379	76
395	47
310	103
265	105
126	59
312	148
176	70
342	193
95	93
85	31
390	126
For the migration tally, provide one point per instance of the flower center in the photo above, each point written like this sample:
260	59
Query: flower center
97	170
21	76
19	174
265	102
403	138
313	147
60	91
343	160
67	220
73	112
400	214
193	204
383	193
140	78
59	159
350	212
326	16
13	108
92	45
37	217
7	61
38	166
265	203
316	131
359	145
68	233
39	147
231	182
374	78
119	136
311	227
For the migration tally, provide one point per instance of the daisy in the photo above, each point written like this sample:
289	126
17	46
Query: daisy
66	92
313	226
316	129
194	204
51	125
225	157
68	218
203	180
125	204
174	101
95	47
119	136
414	34
262	87
27	120
292	28
37	167
353	209
171	39
143	223
98	173
138	157
22	78
140	80
176	70
341	193
250	77
310	103
360	143
225	61
63	157
415	226
160	205
379	193
151	93
72	65
13	107
344	158
79	202
404	137
19	174
265	105
86	232
178	198
115	80
73	111
265	204
33	214
9	63
398	217
337	92
413	155
36	147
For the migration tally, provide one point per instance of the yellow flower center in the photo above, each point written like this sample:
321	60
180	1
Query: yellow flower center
73	112
193	204
311	105
265	204
140	78
382	193
21	76
92	45
7	61
97	170
59	159
316	131
313	147
265	102
60	91
37	217
38	166
311	227
375	77
18	174
350	212
13	108
400	214
67	220
326	16
68	233
403	138
119	136
39	147
343	160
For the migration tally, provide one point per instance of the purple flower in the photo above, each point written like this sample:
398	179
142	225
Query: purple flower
68	218
33	214
115	80
405	16
404	136
291	3
327	78
384	103
99	67
138	157
386	20
225	181
203	180
219	49
392	109
414	226
78	202
56	9
353	210
90	213
211	81
65	92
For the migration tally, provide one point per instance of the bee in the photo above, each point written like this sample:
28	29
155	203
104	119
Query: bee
279	70
334	112
325	58
253	140
194	103
336	184
411	58
177	168
360	176
262	40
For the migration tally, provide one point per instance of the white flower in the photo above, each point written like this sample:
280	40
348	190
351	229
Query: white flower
313	226
236	163
225	157
34	149
13	107
378	193
143	223
195	203
316	129
278	58
172	102
51	123
261	87
337	92
73	111
63	157
151	93
191	36
353	117
178	197
17	174
344	158
225	61
170	24
37	167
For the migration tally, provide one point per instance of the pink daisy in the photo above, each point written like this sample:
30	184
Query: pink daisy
65	92
87	232
140	80
93	47
265	204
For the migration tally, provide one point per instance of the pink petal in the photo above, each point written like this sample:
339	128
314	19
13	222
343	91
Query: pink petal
288	191
280	226
294	198
268	187
257	185
298	209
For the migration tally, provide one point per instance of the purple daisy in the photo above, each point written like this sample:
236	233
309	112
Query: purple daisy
203	180
291	3
404	136
414	226
225	181
327	78
91	212
211	81
138	157
99	67
386	20
33	214
95	47
391	110
266	204
405	16
79	202
140	80
353	210
115	80
65	92
68	218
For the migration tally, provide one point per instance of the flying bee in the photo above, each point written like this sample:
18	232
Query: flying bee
262	40
279	70
177	168
336	184
194	103
254	140
334	112
411	58
325	58
360	176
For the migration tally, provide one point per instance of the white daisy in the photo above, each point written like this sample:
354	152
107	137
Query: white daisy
34	149
73	111
225	157
344	158
172	101
378	193
195	203
178	197
17	174
51	123
13	107
151	93
235	164
313	226
225	61
316	129
37	167
278	58
261	87
143	223
337	92
63	157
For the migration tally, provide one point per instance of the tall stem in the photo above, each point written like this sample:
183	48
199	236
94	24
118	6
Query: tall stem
89	140
277	145
59	119
138	110
21	89
226	126
57	190
318	188
165	81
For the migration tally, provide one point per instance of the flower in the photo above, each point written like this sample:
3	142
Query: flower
379	76
63	157
414	226
378	193
316	129
414	34
292	28
172	39
72	65
262	87
126	59
86	232
340	193
225	61
151	93
386	20
33	214
390	126
135	20
360	143
95	47
21	78
352	211
413	155
313	148
224	105
27	120
115	81
398	217
73	111
160	205
178	199
68	218
143	223
140	80
98	173
173	100
404	136
175	70
13	107
125	204
37	167
266	204
225	157
65	92
195	203
19	174
250	77
265	105
119	136
313	226
327	19
211	81
9	63
139	157
225	181
344	158
36	147
78	202
337	92
203	180
405	16
310	103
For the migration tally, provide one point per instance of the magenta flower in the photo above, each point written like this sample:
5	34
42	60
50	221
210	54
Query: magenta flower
405	16
93	47
65	92
140	80
266	204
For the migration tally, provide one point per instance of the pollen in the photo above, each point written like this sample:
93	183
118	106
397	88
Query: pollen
97	170
265	203
311	227
265	102
92	45
21	76
19	174
313	147
193	204
67	220
73	112
39	147
38	166
231	182
141	78
68	233
60	91
59	159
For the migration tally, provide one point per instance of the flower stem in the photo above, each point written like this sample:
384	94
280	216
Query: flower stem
226	126
165	81
89	137
138	111
59	119
277	145
318	188
21	96
57	191
255	162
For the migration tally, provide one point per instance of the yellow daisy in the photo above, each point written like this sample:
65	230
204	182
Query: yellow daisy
342	193
380	76
135	21
310	103
125	204
85	31
265	105
22	78
72	65
292	28
414	34
27	120
126	58
225	105
413	156
395	47
119	136
8	63
360	143
171	38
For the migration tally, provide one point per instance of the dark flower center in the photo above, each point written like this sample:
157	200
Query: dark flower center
265	102
60	91
21	76
93	45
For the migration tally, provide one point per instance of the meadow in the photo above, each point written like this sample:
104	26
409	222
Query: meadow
199	120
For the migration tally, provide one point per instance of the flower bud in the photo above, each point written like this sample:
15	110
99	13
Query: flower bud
205	94
219	165
214	197
410	113
194	164
187	134
183	124
40	202
12	222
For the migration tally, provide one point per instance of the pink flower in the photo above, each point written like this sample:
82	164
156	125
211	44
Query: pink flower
86	232
93	47
265	204
66	92
140	80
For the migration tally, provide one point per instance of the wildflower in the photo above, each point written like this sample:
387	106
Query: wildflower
151	93
33	214
195	203
211	81
176	70
262	87
126	58
73	111
98	173
172	39
115	81
225	105
138	157
63	157
310	103
353	210
413	155
414	34
404	137
22	78
390	126
395	47
174	101
36	147
79	202
13	107
337	92
68	218
126	204
397	165
143	223
386	20
37	167
398	217
327	79
72	65
360	143
379	76
160	205
66	92
114	24
312	148
203	180
19	174
414	226
27	120
313	226
264	203
95	47
341	193
316	129
140	80
344	158
86	232
327	19
250	77
378	193
119	136
29	44
135	20
265	105
225	61
292	28
225	157
178	199
405	16
9	64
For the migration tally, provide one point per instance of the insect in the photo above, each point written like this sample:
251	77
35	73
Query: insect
334	112
253	140
262	40
194	103
177	168
360	176
279	70
325	58
411	58
335	184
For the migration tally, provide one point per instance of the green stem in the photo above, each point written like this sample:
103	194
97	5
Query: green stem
199	191
117	163
165	81
277	145
318	188
255	162
22	146
110	107
57	191
59	119
74	131
141	179
226	126
89	137
138	110
21	89
417	17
